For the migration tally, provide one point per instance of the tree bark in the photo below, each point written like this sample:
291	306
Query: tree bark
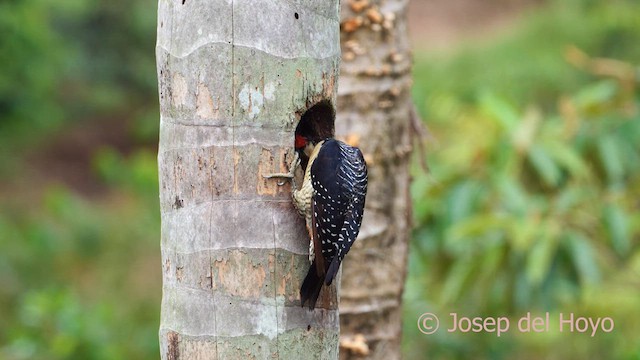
374	111
234	78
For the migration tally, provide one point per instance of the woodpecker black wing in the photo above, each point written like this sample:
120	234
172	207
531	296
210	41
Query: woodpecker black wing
339	180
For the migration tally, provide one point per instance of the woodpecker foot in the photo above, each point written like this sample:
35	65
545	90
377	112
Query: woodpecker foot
289	175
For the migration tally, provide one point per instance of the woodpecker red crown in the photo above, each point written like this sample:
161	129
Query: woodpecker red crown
300	142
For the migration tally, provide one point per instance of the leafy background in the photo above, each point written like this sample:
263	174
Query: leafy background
531	203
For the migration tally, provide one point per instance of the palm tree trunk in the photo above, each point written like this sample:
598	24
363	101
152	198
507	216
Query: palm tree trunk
374	110
234	78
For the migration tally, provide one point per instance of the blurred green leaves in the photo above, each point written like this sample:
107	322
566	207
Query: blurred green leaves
517	182
137	172
31	54
78	278
72	61
532	202
67	290
532	199
75	282
55	324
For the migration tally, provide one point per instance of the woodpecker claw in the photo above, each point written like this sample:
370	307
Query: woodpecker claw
278	175
289	175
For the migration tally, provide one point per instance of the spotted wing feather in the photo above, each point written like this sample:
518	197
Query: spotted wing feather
339	180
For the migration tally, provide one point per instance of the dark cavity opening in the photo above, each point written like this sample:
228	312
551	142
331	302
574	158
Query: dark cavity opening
316	123
296	16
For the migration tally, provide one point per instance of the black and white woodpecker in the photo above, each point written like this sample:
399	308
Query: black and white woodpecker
331	199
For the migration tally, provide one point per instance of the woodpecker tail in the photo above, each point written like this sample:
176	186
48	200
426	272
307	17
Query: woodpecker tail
333	270
311	287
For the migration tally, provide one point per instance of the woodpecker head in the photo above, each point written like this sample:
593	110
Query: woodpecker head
304	145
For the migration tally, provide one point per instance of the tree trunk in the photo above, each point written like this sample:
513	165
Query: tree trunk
374	110
234	78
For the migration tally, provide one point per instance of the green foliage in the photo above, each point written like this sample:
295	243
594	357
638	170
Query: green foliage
113	43
78	278
73	60
529	204
138	172
526	63
31	55
56	326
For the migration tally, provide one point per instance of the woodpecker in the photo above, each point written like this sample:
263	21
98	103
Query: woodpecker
331	199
